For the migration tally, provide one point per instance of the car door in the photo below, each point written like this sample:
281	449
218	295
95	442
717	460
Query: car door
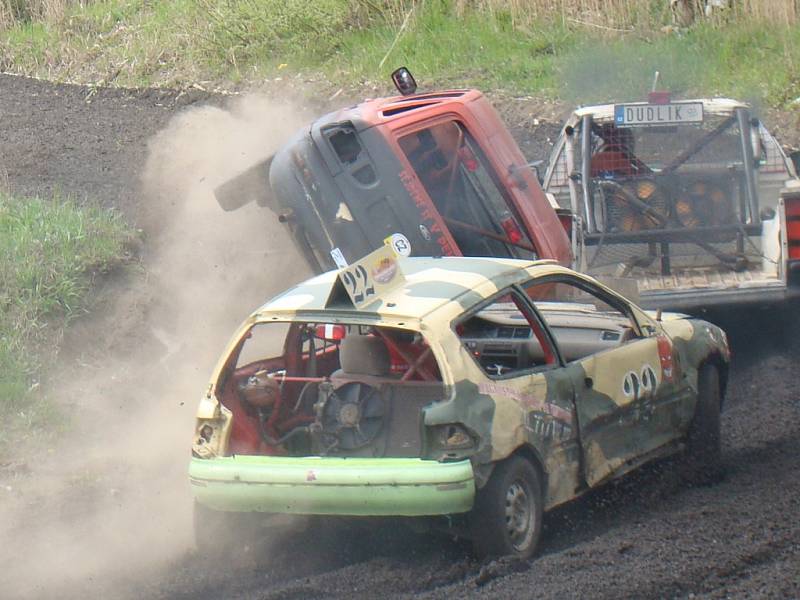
522	387
623	375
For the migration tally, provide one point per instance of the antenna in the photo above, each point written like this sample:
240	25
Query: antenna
656	97
655	81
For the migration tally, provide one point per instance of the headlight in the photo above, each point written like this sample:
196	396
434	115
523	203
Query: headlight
208	438
451	441
453	437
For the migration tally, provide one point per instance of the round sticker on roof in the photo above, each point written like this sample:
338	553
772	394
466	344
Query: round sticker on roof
400	244
384	270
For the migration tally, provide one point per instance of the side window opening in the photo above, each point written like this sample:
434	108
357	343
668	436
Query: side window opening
346	145
581	319
344	140
506	338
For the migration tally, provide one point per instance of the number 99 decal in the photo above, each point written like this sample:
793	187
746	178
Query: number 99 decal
640	385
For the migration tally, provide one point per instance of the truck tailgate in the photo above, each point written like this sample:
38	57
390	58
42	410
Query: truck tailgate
693	288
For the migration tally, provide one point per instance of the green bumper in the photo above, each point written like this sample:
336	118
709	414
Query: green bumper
333	486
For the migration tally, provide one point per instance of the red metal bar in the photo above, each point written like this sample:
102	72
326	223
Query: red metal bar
413	368
424	373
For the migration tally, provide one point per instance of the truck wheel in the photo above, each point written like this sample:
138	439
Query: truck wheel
217	532
507	516
704	450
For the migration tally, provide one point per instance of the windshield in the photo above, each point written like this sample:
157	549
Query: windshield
461	184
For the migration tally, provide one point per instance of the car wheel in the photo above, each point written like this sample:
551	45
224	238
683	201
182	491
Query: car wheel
703	443
507	516
217	533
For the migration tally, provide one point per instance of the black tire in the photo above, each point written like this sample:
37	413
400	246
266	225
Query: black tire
507	516
704	442
217	533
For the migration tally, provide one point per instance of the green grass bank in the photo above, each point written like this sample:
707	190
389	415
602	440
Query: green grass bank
50	253
583	50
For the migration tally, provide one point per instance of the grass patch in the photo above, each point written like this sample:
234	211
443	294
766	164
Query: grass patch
575	53
474	49
50	251
751	60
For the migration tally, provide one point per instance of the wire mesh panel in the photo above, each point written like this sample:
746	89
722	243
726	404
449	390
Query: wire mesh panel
634	259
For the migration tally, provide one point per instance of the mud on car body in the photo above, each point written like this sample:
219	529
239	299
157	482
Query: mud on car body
494	389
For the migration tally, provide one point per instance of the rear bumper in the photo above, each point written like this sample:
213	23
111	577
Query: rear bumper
333	486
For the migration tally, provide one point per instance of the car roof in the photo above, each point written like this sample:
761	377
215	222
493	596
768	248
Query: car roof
721	106
433	287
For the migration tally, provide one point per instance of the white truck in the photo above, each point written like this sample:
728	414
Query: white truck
694	201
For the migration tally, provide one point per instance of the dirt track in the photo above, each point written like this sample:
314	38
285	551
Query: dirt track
648	536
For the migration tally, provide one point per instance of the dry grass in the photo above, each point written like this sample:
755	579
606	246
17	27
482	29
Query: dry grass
780	12
616	15
13	12
609	15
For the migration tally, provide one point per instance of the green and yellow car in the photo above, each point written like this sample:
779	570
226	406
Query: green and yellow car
490	388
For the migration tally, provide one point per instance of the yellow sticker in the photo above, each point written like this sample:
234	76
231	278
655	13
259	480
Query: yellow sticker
373	276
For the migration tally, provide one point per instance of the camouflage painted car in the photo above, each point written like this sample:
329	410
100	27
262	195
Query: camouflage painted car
490	388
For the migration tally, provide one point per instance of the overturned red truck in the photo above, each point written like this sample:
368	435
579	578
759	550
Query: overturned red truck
683	204
439	168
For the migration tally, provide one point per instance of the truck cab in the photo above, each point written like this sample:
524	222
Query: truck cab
694	201
438	171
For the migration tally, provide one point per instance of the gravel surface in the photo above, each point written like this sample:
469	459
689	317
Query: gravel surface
649	536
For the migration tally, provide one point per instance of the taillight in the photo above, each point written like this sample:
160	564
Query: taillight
511	228
468	158
793	227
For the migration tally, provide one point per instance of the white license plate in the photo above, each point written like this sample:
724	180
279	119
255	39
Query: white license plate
678	113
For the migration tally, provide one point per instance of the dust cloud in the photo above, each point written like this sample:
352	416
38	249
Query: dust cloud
108	505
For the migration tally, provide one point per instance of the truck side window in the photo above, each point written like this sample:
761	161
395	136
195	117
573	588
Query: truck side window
346	145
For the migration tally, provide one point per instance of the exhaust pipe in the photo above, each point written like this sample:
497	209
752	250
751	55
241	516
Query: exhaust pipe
249	186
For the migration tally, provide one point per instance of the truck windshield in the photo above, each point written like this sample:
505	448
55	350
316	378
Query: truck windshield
462	186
